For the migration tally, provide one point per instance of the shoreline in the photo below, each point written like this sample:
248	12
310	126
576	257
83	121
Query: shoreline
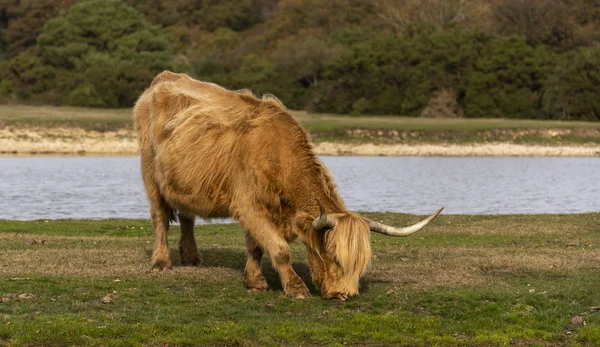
78	142
494	149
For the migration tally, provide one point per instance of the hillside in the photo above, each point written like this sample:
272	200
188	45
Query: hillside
473	59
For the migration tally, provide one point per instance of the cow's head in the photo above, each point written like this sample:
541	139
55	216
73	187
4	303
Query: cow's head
339	249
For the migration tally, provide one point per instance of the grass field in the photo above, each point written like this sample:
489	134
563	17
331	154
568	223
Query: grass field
51	116
464	280
328	122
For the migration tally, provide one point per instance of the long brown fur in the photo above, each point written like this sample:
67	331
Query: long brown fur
210	152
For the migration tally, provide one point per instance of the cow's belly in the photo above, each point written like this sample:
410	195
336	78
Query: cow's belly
198	207
196	203
193	194
198	170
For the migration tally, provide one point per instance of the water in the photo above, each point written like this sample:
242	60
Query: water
111	187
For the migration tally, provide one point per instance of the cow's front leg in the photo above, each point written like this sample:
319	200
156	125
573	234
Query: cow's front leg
267	235
293	285
253	277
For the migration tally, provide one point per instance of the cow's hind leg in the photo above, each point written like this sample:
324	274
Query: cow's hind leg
253	278
267	235
161	213
187	243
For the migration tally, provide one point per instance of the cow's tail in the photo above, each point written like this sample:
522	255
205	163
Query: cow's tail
173	216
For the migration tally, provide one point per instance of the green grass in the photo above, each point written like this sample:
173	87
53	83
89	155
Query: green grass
465	280
52	116
329	122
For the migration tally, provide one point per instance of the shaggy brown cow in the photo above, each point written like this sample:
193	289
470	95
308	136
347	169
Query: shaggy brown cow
210	152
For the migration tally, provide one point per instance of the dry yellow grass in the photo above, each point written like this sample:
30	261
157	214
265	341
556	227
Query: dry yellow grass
465	266
91	257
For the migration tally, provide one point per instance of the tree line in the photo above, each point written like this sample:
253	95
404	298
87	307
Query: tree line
455	58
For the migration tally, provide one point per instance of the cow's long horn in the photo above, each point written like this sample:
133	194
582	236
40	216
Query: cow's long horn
323	221
391	231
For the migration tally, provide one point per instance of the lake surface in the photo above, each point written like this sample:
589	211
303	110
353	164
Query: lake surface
111	187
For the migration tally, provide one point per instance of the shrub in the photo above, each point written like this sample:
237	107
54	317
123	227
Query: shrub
256	72
572	91
29	76
506	80
85	95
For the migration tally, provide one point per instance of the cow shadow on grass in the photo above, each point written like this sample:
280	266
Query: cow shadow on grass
236	260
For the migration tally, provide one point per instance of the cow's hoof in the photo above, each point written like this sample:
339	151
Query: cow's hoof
341	297
298	291
162	265
301	296
256	283
190	260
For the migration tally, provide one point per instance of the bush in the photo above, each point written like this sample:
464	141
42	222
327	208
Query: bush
28	74
572	91
85	95
254	71
506	80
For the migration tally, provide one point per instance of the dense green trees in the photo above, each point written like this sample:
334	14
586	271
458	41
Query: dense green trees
99	53
507	79
403	71
573	90
481	58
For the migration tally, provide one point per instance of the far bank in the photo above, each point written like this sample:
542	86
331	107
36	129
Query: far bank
77	141
47	130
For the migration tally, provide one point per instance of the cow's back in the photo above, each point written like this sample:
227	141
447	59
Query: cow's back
209	148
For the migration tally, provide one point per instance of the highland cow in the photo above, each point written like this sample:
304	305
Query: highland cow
214	153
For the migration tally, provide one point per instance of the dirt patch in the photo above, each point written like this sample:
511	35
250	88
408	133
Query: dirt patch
96	257
472	266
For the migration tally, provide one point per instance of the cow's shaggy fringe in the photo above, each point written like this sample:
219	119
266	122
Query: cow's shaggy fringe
350	245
